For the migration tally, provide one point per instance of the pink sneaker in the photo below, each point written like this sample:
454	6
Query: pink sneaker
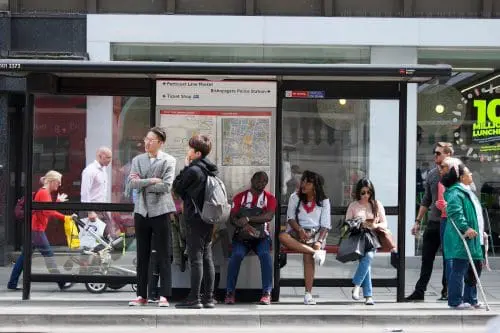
230	299
139	301
163	302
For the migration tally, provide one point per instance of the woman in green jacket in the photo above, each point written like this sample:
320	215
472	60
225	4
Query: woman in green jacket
464	210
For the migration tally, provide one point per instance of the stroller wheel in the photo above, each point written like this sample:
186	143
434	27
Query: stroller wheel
96	287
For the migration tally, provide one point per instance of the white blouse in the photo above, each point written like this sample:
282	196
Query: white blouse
318	217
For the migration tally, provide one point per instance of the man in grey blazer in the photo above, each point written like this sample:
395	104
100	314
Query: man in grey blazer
152	174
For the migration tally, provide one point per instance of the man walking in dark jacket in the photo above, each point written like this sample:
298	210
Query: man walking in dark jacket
433	230
190	186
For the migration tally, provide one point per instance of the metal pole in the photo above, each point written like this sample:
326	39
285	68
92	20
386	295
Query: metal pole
277	191
28	163
403	95
152	104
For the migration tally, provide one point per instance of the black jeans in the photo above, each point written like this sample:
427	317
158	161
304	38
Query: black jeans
159	228
199	239
430	246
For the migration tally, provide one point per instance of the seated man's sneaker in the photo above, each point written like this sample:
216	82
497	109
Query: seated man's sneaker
265	299
230	299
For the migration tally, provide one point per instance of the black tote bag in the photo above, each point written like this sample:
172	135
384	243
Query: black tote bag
351	248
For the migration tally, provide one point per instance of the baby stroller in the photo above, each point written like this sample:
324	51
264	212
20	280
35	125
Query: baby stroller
101	259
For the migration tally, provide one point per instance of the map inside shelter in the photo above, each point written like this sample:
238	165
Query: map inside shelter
181	127
245	141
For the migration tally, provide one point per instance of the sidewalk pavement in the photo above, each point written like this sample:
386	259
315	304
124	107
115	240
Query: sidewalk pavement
51	308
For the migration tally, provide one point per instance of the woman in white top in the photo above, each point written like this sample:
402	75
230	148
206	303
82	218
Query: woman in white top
308	219
373	214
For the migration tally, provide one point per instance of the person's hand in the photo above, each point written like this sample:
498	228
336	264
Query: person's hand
241	222
155	180
415	229
187	161
250	230
470	233
62	197
303	236
134	176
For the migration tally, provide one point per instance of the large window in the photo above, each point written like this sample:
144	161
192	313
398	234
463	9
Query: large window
68	130
456	110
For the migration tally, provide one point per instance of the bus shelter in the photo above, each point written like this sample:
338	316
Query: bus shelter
345	121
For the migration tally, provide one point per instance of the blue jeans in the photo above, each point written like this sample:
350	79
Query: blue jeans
458	271
470	287
40	242
363	276
261	247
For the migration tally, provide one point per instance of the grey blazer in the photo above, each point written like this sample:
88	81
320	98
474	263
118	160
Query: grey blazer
153	200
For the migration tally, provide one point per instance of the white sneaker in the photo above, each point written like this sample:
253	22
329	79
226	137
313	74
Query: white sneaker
463	306
308	299
319	257
355	293
369	301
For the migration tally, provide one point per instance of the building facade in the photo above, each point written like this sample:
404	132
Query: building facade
342	139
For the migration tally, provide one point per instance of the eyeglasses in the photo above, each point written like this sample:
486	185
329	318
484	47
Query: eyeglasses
366	192
148	140
437	153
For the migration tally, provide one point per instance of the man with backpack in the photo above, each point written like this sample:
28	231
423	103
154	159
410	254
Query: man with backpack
190	185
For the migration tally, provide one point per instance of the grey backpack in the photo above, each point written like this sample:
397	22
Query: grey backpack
216	208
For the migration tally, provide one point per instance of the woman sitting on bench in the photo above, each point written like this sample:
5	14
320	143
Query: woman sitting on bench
308	219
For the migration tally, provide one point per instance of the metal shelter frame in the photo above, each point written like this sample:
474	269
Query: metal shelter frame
129	78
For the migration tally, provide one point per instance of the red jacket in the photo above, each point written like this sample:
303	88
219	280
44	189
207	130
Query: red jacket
40	218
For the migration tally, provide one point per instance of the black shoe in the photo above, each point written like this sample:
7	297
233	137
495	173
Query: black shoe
189	305
444	297
65	285
415	297
208	304
14	288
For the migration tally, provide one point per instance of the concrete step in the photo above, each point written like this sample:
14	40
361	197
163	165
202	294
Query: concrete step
99	314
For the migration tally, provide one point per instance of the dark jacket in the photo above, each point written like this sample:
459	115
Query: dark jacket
190	185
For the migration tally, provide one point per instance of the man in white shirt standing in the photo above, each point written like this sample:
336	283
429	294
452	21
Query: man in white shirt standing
94	186
95	178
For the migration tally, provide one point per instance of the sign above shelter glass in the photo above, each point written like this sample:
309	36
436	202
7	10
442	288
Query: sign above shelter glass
216	93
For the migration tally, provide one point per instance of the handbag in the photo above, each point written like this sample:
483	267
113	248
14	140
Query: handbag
385	239
351	248
259	229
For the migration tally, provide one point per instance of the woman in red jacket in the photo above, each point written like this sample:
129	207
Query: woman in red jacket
39	220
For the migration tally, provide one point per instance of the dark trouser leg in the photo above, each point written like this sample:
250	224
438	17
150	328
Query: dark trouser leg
470	287
162	233
143	232
444	291
208	266
16	272
430	246
200	257
154	276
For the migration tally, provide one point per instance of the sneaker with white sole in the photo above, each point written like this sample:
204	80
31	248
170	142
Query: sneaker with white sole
463	306
308	299
319	257
163	302
369	301
355	293
139	301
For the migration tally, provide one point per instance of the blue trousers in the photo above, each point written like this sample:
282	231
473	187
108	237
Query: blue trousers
240	249
363	276
40	243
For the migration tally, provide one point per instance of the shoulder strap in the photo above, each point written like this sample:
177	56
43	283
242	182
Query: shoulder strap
297	211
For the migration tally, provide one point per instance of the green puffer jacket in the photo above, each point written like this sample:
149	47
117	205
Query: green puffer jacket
460	209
